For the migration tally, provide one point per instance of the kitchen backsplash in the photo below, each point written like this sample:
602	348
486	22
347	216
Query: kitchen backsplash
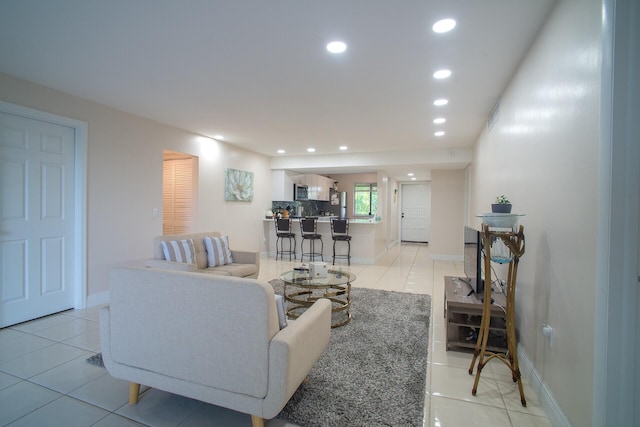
309	208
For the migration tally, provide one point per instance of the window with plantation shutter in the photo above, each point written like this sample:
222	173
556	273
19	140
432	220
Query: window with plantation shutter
178	196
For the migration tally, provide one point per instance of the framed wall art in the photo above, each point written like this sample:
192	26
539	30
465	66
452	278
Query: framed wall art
238	185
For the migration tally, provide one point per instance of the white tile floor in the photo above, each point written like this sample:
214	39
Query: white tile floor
46	381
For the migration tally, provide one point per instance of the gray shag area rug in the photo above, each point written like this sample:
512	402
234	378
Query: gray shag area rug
374	371
96	359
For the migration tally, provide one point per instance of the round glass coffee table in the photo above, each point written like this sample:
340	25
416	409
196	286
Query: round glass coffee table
301	291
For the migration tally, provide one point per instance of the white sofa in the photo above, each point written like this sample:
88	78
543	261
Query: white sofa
245	264
208	337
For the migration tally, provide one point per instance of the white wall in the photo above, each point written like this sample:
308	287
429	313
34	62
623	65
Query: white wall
125	179
543	154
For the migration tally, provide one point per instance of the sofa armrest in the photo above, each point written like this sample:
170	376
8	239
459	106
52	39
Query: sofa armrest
245	257
293	352
170	265
105	336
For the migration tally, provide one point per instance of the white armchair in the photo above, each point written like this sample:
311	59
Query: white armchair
211	338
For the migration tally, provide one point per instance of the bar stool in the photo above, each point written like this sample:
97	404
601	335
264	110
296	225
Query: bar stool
340	233
283	231
309	231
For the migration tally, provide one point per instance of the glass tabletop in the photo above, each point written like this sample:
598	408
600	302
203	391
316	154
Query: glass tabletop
301	278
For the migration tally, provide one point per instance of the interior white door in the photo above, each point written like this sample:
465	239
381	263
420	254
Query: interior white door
37	179
416	212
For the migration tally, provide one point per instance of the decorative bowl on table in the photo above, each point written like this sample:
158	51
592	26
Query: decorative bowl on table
500	220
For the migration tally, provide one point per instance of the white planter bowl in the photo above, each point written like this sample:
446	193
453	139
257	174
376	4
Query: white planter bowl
500	220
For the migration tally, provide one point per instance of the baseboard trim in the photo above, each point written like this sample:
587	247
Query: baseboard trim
551	407
98	299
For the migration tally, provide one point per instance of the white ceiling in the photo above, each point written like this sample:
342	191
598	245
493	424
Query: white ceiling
258	72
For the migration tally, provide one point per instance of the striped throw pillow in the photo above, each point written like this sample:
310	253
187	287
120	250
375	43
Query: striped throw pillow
179	251
282	316
218	252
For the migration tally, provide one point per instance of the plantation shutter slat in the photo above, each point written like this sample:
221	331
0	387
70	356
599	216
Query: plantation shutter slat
177	196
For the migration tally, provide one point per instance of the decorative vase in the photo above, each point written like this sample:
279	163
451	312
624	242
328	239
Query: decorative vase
501	208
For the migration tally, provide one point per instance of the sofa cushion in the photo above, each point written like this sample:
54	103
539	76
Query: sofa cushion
170	265
218	252
216	271
179	251
237	270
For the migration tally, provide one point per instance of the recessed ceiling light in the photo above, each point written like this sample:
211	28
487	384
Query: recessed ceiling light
413	179
442	74
439	133
410	174
281	151
343	147
440	102
444	25
336	47
220	137
311	150
439	120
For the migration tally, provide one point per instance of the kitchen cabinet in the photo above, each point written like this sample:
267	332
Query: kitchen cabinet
324	189
319	187
313	182
282	185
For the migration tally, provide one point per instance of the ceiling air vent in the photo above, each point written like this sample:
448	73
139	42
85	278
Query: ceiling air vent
494	115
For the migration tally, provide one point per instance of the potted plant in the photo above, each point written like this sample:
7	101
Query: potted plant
501	205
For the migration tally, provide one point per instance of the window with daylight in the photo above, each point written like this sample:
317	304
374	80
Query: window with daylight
366	199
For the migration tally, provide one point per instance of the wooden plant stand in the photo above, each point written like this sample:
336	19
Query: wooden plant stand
514	241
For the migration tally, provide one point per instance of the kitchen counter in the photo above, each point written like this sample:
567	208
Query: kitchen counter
323	218
367	239
328	219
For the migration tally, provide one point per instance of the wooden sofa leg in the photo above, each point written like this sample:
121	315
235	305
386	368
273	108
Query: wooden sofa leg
257	421
134	392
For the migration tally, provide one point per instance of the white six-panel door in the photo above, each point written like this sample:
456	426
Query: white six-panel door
416	212
37	182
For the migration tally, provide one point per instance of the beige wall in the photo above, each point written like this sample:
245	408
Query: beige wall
125	179
543	154
447	214
347	181
386	235
382	230
392	213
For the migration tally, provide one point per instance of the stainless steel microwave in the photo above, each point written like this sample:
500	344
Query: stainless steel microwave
300	192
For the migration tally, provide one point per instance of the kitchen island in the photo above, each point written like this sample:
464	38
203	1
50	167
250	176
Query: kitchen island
367	240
